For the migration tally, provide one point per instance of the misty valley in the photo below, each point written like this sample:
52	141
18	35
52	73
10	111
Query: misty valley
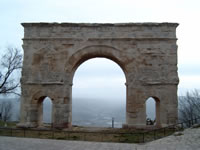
86	112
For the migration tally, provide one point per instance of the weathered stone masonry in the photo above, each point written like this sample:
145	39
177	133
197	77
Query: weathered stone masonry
147	53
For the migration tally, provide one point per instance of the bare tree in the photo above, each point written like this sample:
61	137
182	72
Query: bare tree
5	110
10	62
189	106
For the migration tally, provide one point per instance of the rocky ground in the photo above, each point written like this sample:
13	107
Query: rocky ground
189	139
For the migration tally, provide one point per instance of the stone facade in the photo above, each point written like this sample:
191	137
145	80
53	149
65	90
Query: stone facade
146	52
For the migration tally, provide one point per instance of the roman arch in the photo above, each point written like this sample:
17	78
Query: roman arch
146	52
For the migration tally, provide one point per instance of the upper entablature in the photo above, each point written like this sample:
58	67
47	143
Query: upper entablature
98	30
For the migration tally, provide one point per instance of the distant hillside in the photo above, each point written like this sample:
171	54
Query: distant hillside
89	112
85	112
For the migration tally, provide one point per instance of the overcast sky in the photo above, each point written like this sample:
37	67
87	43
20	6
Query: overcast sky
184	12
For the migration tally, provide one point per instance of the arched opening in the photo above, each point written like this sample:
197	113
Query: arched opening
153	111
99	94
45	112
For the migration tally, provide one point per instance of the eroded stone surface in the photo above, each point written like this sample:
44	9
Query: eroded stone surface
147	53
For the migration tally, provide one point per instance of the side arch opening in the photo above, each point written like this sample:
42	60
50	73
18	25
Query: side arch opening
152	111
45	112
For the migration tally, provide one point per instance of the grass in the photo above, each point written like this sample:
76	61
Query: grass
107	135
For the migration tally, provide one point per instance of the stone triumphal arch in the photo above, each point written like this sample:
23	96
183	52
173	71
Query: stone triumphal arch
146	52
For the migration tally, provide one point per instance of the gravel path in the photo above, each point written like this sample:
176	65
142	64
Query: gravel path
188	140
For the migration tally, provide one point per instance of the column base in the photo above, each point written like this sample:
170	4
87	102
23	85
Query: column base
26	125
62	125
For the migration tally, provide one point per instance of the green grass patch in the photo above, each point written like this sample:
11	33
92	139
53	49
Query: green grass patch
8	124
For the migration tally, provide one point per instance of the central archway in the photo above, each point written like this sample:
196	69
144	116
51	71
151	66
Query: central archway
99	94
96	51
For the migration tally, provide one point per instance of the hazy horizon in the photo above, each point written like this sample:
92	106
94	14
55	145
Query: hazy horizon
87	112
